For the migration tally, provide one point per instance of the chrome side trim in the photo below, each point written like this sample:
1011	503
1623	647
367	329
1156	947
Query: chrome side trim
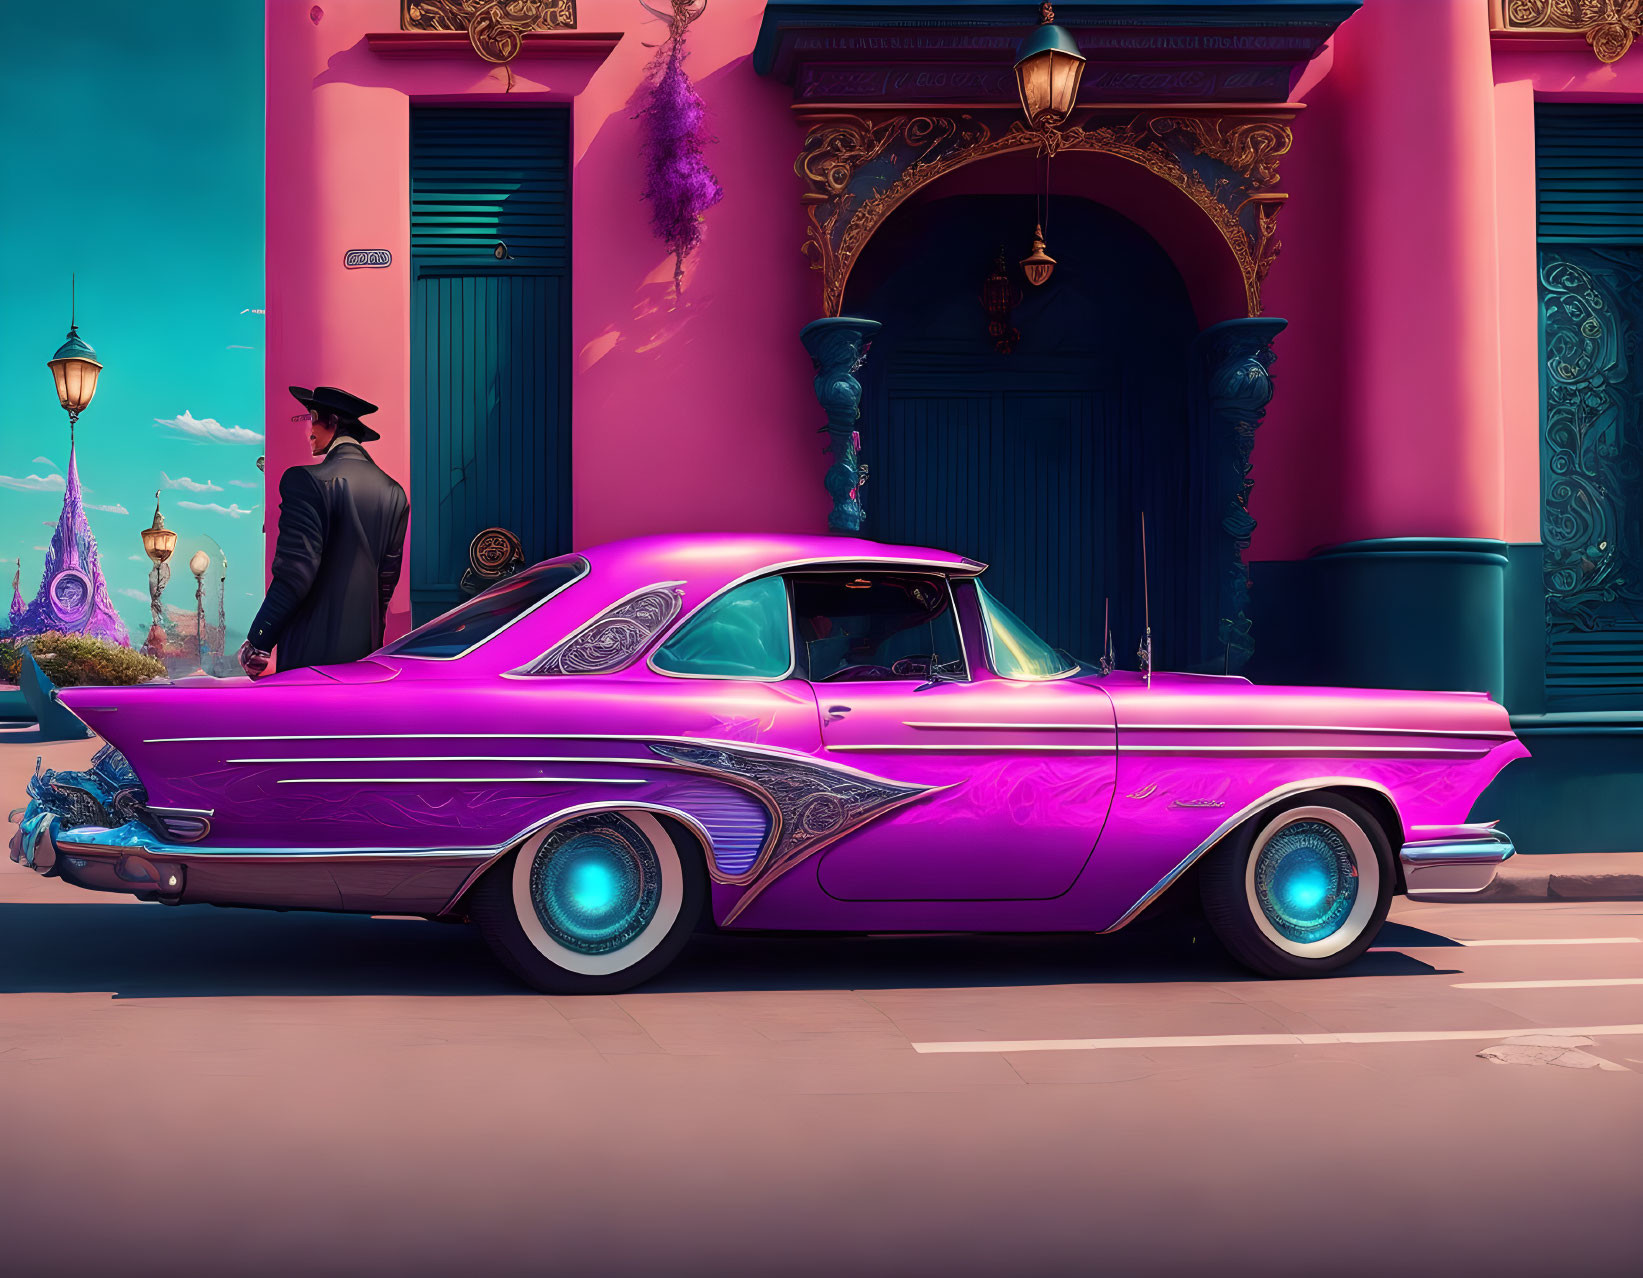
1303	727
990	748
1237	819
1012	727
446	758
1316	752
459	780
411	656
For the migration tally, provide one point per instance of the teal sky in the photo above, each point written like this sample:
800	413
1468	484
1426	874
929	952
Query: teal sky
131	140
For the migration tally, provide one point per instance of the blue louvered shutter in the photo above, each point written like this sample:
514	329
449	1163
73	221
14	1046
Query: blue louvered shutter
490	331
1589	174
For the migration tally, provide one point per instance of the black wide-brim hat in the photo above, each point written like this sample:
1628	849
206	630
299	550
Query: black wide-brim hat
332	399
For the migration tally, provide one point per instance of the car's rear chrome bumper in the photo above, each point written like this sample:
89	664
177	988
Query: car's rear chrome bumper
1454	867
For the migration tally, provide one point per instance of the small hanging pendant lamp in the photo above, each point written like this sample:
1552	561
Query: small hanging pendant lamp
1038	265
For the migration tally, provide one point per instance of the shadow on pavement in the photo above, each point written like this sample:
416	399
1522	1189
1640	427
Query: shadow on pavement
138	950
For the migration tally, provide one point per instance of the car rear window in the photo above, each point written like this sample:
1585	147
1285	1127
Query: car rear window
470	624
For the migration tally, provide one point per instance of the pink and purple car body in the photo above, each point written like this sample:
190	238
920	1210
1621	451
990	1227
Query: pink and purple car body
612	749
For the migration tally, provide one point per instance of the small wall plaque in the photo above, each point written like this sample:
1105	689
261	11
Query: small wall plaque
355	258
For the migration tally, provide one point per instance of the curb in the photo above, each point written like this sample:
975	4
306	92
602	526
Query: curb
1600	876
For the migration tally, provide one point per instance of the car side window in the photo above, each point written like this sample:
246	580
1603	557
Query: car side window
876	626
743	634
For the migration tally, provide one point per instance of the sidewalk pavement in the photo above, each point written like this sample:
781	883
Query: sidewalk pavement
1582	876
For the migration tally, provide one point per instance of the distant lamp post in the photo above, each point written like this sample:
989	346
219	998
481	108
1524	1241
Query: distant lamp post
197	565
222	613
1048	69
158	543
75	369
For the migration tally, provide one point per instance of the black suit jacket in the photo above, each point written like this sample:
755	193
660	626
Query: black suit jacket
337	560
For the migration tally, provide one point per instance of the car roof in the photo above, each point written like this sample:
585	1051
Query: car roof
725	557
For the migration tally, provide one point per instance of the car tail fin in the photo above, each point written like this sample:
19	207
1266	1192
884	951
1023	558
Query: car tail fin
57	722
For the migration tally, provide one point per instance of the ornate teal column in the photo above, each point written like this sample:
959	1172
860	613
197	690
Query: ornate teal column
1235	358
837	348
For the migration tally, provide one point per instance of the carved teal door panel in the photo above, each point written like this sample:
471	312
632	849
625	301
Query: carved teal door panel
1040	461
490	377
1592	474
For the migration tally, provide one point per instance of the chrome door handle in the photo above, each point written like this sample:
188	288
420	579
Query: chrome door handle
835	713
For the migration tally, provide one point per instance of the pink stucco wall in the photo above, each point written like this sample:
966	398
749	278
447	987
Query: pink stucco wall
693	414
1408	394
1407	385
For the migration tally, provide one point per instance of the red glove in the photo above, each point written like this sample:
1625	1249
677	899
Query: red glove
254	661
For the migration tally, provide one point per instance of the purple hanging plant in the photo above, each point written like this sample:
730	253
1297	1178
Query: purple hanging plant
678	183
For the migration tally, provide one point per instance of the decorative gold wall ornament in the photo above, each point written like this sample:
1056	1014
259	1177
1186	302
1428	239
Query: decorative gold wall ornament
495	28
911	151
1610	26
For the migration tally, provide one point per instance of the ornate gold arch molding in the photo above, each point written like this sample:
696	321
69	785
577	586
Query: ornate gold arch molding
859	168
1609	26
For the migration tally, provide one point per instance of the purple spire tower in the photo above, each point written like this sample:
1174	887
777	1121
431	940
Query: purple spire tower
73	596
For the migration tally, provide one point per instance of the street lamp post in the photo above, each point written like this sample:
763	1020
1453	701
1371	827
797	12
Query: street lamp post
222	613
158	543
197	565
74	368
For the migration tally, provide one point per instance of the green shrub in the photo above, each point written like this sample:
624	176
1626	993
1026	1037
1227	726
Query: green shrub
78	660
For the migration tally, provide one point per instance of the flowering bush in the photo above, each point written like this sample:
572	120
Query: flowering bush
77	660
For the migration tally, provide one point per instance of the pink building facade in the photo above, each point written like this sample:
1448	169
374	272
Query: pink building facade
1346	299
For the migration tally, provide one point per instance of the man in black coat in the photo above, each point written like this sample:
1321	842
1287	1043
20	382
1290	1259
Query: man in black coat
341	542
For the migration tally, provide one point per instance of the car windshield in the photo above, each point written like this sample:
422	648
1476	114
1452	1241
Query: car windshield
470	624
1017	653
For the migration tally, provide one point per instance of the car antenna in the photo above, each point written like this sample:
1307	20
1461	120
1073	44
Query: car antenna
1106	663
1144	654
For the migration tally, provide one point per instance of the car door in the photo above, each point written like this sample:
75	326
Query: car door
904	691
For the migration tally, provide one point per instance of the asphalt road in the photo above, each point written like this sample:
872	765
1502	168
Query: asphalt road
205	1091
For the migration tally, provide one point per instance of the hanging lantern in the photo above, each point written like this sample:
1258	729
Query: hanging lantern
158	540
999	297
1048	68
1038	265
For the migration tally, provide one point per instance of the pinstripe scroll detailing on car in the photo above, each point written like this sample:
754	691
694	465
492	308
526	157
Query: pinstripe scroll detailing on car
616	636
811	805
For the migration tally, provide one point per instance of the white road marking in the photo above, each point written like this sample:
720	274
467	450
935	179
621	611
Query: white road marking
1548	985
1272	1040
1533	940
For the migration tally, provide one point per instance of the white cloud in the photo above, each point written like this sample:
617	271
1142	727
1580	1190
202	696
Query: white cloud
234	347
115	509
244	483
46	461
48	523
233	510
37	483
42	547
192	485
254	310
209	428
131	593
137	558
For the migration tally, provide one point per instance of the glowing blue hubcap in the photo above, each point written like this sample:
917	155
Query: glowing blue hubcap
1306	880
596	884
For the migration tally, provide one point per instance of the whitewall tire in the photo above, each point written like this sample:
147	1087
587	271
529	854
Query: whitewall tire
1301	889
595	904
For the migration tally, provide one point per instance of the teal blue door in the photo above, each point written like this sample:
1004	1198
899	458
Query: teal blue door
490	326
1040	461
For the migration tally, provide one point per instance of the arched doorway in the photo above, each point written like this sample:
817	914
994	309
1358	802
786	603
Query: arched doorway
1041	460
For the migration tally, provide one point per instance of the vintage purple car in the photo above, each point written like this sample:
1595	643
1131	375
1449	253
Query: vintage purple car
612	749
